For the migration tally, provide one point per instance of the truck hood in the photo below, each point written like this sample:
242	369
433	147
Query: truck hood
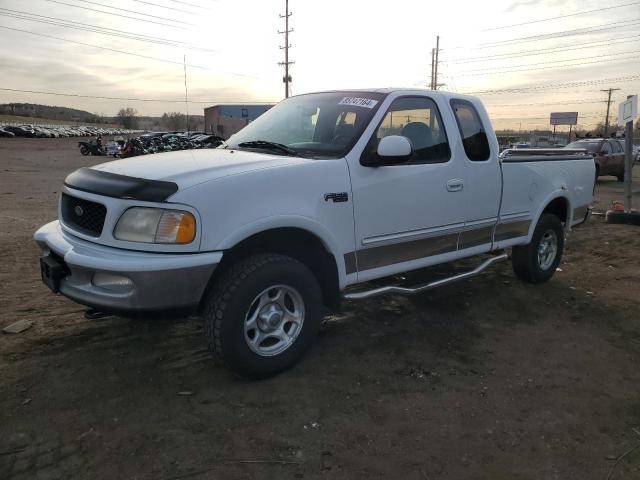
187	168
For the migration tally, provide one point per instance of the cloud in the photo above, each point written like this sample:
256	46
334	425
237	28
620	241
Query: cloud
519	4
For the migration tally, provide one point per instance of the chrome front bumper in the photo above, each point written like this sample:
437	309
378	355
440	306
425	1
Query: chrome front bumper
123	280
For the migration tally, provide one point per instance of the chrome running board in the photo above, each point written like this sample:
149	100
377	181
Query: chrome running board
429	286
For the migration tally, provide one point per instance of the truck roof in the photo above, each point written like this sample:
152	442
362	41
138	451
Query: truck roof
440	93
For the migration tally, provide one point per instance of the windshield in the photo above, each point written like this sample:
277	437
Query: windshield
322	125
591	147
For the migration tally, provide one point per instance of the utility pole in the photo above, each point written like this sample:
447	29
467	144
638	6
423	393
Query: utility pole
435	75
606	120
186	94
628	164
287	78
434	66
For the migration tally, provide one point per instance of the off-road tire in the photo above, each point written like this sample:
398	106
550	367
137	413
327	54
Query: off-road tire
620	177
525	258
84	151
229	300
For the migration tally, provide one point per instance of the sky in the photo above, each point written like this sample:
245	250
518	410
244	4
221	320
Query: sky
232	50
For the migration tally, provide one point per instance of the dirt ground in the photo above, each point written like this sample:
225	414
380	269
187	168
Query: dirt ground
487	379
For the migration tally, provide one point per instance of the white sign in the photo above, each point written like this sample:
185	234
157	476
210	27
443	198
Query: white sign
564	118
628	110
358	102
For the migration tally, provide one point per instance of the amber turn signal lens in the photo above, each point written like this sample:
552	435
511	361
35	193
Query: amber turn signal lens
187	229
176	227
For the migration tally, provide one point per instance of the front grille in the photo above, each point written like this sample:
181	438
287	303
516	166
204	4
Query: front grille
83	215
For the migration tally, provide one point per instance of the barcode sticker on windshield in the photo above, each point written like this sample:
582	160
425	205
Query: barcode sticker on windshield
359	102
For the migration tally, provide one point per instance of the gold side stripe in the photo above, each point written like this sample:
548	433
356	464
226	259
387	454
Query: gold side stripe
474	238
350	264
375	257
382	256
505	231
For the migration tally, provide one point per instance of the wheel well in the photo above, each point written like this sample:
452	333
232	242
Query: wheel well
558	207
293	242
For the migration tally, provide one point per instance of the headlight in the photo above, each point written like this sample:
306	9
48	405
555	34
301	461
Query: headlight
155	225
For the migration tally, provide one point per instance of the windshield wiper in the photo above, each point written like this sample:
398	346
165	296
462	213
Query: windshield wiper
270	146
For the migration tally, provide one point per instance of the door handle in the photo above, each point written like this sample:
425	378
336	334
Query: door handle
455	185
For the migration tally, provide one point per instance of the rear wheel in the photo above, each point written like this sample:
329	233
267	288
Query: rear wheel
620	177
537	261
262	315
84	151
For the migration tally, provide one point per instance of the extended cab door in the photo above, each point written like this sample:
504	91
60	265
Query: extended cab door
407	215
482	177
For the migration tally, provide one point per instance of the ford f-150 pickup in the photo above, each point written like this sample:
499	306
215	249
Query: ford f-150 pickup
305	206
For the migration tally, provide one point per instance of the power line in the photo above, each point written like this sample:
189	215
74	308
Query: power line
101	30
567	33
584	12
574	102
117	8
186	3
168	8
118	15
581	115
553	86
544	51
552	35
93	29
97	29
491	71
75	95
124	52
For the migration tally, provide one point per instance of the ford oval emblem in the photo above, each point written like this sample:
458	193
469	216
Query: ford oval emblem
78	210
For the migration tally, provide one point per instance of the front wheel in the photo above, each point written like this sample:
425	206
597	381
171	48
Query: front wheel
84	151
537	261
262	314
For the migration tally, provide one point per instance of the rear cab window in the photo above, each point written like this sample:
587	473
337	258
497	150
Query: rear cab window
474	137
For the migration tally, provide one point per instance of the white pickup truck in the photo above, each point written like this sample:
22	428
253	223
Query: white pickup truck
323	192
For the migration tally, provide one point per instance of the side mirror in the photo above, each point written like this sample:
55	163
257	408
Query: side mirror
394	149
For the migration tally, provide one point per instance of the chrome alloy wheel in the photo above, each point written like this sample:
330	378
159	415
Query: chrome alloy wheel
274	320
547	249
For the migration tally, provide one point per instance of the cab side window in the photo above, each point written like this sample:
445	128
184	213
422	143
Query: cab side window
606	148
474	138
418	119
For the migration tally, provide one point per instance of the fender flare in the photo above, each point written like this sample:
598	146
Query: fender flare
289	221
561	193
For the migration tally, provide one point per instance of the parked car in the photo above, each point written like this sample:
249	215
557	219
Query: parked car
608	153
302	207
17	131
6	133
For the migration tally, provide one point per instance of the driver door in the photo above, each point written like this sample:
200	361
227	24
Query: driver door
409	214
